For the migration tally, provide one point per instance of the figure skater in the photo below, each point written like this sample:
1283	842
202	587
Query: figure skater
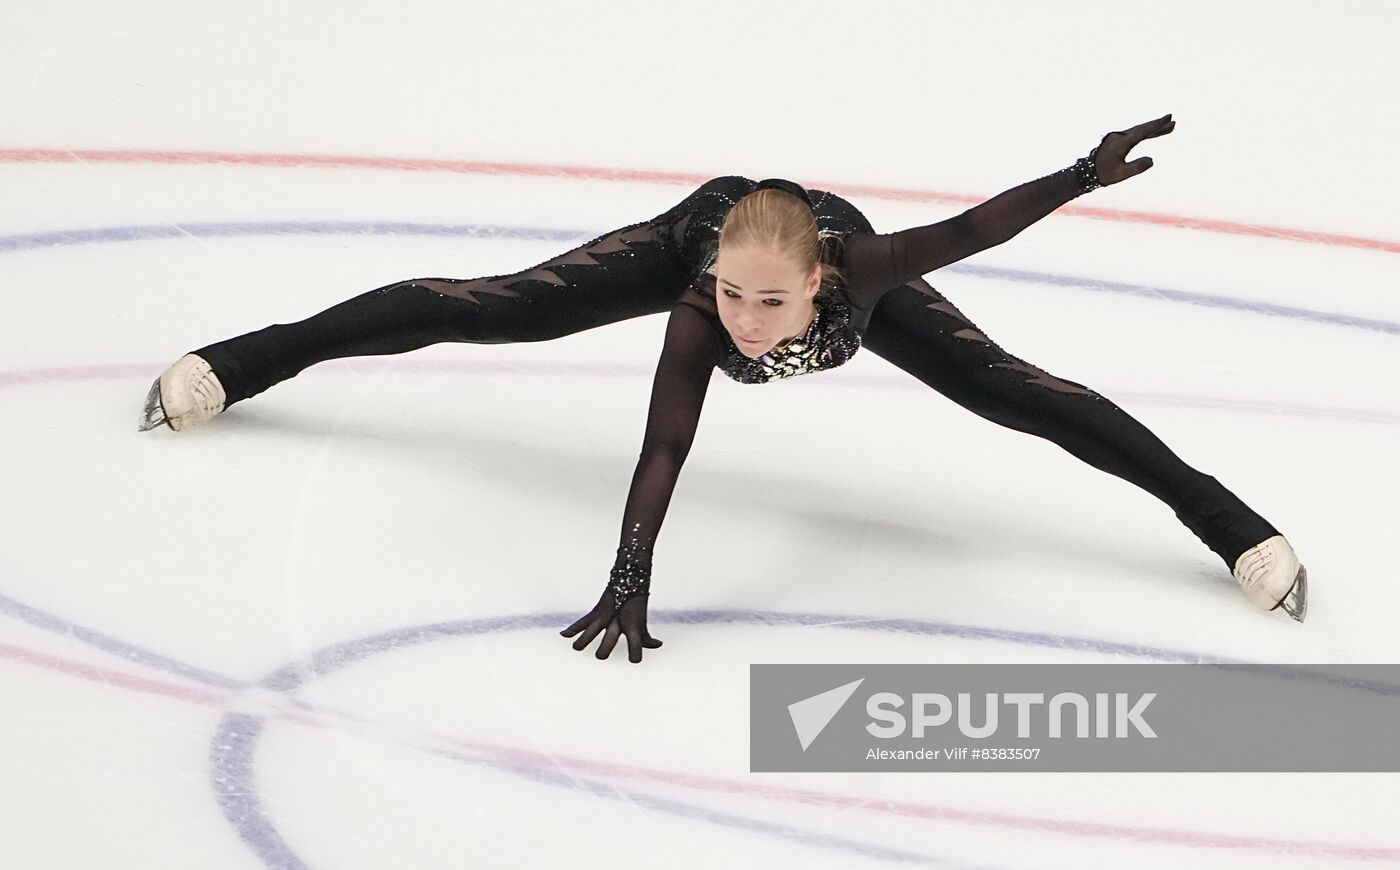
763	281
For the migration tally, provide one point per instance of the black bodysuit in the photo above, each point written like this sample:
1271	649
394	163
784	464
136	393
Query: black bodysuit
662	265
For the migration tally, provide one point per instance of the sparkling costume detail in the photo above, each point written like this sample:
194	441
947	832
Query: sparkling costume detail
1085	174
828	342
631	572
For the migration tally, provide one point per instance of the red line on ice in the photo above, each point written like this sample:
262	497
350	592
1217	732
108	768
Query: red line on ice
109	677
546	170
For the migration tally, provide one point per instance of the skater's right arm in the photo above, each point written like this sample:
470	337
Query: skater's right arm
692	349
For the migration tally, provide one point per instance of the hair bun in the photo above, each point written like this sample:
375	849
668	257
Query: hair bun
786	186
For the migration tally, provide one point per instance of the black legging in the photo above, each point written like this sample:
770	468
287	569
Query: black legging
637	270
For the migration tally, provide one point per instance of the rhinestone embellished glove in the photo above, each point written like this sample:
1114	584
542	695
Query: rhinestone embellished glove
1086	173
1002	217
621	609
630	575
1105	164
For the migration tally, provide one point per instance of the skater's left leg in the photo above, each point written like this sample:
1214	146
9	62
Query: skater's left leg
920	331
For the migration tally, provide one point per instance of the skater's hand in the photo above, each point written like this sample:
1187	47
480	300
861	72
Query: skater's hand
1112	151
631	621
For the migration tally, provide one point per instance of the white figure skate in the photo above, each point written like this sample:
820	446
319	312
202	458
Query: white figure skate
1271	576
185	395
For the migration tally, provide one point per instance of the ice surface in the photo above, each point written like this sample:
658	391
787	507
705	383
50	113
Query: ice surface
322	631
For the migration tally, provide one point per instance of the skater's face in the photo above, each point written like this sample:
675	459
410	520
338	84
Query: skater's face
763	295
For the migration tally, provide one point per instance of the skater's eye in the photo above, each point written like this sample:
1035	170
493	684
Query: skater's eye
732	295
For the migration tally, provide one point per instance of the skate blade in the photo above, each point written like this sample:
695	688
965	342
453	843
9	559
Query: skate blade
1295	603
154	413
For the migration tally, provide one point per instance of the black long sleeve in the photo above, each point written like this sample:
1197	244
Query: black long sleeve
880	261
693	347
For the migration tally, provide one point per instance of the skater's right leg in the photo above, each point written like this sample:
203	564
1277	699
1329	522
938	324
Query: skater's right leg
619	275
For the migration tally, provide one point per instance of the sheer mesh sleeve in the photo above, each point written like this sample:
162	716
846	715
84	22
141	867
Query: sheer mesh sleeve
876	262
881	261
693	347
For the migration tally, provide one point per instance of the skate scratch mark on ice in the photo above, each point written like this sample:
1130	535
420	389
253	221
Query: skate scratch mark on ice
81	157
104	235
235	741
844	622
112	645
544	170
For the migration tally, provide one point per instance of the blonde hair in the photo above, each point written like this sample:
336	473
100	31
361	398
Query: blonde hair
775	220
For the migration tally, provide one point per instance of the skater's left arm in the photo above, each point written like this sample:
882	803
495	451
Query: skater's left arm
880	261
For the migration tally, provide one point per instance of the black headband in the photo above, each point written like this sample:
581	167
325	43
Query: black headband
786	186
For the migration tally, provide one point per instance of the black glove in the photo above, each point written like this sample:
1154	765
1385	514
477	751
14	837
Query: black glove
621	609
1108	157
